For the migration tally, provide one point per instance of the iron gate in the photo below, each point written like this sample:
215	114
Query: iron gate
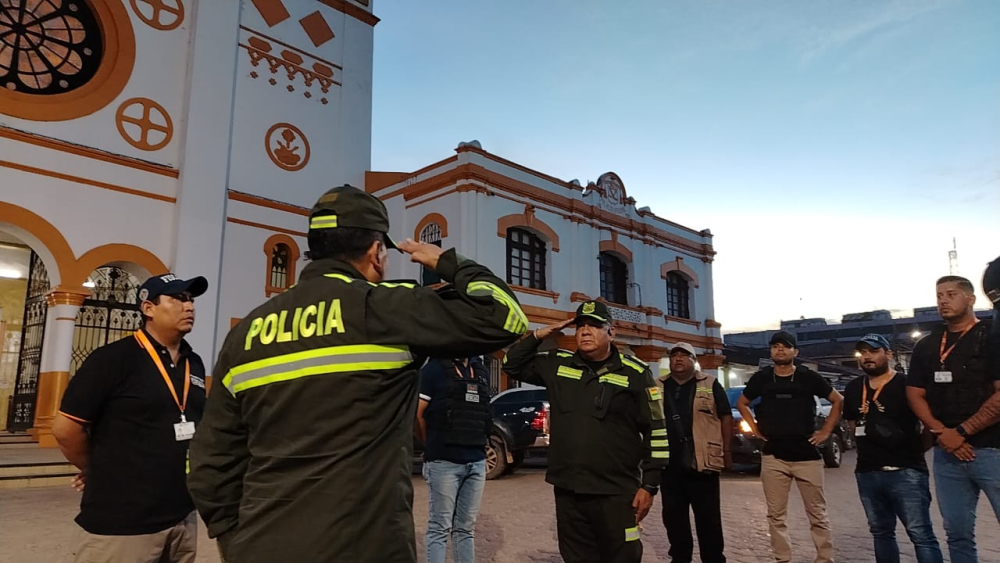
109	314
22	408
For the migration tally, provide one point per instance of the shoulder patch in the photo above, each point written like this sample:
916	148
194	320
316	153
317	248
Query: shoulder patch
654	393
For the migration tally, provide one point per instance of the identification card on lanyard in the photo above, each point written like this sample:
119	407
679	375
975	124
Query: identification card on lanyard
471	389
859	428
183	430
945	376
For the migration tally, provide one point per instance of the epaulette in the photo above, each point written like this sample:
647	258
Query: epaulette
634	363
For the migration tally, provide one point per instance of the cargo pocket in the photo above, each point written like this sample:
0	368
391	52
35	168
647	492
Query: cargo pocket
716	457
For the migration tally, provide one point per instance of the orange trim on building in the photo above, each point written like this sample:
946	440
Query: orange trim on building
63	296
116	252
88	152
79	180
290	47
528	219
678	265
45	232
616	247
269	203
427	220
516	166
293	258
352	10
671	319
271	228
711	323
539	292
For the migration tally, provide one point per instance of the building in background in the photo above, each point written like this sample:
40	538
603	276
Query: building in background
143	136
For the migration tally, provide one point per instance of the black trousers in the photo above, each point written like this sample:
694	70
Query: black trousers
682	493
597	528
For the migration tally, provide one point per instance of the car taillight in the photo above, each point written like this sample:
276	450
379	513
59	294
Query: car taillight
541	420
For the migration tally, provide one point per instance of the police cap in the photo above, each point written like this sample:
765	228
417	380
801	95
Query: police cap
347	206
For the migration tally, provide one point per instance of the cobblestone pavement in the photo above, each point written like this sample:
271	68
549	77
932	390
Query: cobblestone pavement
517	523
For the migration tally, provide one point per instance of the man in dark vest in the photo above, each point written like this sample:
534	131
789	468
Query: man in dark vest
453	422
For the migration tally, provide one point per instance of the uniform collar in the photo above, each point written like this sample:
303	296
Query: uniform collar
319	268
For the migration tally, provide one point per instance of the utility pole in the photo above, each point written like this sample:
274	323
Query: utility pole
953	258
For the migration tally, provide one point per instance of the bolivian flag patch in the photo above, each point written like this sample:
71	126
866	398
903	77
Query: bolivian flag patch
654	393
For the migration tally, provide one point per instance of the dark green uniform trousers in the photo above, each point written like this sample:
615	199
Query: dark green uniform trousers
597	528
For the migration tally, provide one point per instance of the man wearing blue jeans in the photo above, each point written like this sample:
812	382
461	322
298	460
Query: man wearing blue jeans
454	422
891	471
954	388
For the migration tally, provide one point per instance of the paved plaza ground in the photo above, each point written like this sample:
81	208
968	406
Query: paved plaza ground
517	523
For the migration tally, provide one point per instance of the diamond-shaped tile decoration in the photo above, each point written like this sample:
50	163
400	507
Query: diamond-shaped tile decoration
316	28
273	11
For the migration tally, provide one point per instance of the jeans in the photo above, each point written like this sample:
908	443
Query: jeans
905	494
958	484
455	492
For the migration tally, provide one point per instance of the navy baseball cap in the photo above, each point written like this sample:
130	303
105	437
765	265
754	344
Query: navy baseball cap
876	341
170	284
786	338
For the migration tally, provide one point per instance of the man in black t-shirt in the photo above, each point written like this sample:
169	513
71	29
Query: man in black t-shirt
454	423
891	471
125	421
953	386
699	429
786	420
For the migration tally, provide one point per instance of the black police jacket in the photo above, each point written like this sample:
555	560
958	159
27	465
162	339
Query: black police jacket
608	432
304	452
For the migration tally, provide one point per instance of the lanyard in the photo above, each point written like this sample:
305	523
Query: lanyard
460	374
864	394
144	341
944	339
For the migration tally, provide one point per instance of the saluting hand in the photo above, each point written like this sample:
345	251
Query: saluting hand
642	502
553	330
422	253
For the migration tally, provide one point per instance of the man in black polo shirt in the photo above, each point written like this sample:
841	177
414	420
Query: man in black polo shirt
454	422
125	421
786	420
891	471
953	382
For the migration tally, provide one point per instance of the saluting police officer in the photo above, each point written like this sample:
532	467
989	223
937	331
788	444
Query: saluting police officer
305	450
609	441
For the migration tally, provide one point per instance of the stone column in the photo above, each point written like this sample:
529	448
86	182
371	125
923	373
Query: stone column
57	350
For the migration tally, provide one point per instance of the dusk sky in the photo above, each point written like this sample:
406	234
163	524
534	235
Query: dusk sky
833	148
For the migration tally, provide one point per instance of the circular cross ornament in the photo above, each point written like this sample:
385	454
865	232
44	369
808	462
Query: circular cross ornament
144	124
287	147
159	14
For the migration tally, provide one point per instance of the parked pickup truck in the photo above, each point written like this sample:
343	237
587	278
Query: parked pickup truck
746	446
520	429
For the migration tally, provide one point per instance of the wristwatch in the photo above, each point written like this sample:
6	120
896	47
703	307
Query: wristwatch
650	489
961	431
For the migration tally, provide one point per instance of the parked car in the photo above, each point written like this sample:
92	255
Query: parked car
520	429
746	447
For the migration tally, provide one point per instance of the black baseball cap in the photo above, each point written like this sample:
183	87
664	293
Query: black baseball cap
170	284
782	337
347	206
593	310
876	341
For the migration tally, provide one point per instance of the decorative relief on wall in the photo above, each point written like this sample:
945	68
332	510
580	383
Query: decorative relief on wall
163	15
316	28
292	68
144	124
287	146
611	191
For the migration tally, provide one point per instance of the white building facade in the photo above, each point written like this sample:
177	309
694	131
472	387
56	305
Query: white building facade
144	136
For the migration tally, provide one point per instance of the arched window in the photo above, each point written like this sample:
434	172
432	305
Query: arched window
678	296
525	259
430	234
614	278
282	254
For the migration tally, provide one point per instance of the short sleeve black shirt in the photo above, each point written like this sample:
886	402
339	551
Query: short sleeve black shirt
786	414
136	478
682	396
893	411
435	379
974	370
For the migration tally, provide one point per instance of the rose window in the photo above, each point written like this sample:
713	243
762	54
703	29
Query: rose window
48	46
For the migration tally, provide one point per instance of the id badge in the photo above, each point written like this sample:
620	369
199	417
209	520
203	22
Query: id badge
471	398
859	430
183	431
942	377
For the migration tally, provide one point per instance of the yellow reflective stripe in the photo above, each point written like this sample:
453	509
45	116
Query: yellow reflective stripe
401	284
333	359
660	455
658	432
340	277
659	443
348	279
614	379
632	534
569	372
703	390
324	222
562	354
517	322
631	364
